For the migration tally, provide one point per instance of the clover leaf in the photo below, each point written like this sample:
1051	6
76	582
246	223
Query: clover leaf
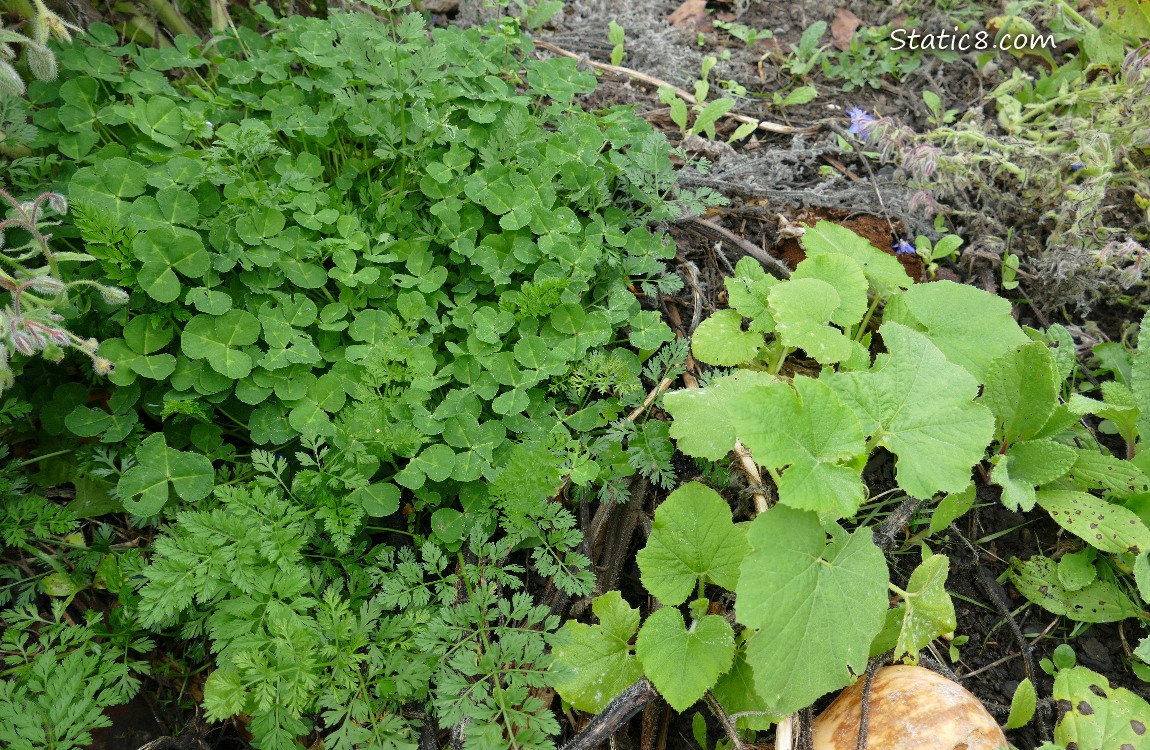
165	250
593	663
684	663
145	486
920	406
816	606
218	340
693	541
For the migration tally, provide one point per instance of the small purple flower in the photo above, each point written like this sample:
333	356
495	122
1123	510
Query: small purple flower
861	122
1076	167
903	247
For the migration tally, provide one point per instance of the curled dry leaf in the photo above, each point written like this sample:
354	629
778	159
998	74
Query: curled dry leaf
911	708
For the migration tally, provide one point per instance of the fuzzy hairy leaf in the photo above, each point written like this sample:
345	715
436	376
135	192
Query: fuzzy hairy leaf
921	407
816	606
804	431
683	663
693	541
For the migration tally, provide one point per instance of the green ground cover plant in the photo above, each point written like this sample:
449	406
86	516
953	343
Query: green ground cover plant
365	315
396	255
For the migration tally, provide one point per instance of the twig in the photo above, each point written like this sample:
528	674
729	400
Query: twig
751	469
618	542
785	733
715	232
864	702
617	713
988	588
663	385
724	721
885	533
770	127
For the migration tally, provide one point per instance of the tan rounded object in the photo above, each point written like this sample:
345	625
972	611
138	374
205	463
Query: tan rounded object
911	708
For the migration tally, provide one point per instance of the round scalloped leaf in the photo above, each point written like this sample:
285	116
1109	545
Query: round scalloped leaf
703	422
970	326
720	340
802	309
683	664
845	275
922	406
805	431
1092	715
882	270
593	663
817	606
693	539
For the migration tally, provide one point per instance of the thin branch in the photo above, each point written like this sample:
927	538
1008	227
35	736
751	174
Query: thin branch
617	713
770	127
724	721
713	231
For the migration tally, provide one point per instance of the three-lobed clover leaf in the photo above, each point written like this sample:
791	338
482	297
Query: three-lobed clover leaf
219	339
165	250
693	541
921	407
816	606
144	487
593	663
683	663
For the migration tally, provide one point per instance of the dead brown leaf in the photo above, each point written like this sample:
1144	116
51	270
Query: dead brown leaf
692	14
843	28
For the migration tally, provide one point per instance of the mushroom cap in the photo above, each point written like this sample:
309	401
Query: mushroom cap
911	708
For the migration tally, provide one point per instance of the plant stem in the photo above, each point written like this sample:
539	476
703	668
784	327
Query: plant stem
171	17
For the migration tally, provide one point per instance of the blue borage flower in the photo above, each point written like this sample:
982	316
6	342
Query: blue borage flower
903	247
860	121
